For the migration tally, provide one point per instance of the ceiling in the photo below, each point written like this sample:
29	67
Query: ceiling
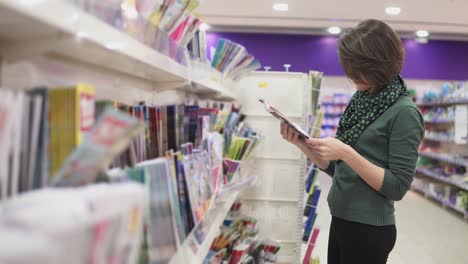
443	18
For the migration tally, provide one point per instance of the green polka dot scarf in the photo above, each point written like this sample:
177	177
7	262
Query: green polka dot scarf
365	108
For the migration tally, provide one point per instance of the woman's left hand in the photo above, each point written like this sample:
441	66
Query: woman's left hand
328	148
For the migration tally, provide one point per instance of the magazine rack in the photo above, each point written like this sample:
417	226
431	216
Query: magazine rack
48	46
197	244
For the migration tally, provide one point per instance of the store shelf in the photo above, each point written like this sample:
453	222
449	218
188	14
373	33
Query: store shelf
210	224
441	201
333	115
439	122
444	103
437	139
449	205
214	88
329	126
58	27
445	158
441	178
334	103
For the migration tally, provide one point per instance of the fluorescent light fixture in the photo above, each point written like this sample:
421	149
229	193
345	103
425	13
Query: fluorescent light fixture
422	33
204	27
334	30
393	10
281	7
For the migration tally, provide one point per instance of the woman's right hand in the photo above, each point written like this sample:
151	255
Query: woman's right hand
289	134
293	137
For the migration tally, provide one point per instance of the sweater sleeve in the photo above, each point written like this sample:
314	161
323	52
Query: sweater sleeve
405	138
330	170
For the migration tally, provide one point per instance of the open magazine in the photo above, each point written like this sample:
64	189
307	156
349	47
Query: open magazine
273	111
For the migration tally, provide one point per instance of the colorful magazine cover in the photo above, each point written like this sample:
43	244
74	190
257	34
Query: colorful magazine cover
110	136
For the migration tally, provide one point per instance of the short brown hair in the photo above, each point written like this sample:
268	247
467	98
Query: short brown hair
371	50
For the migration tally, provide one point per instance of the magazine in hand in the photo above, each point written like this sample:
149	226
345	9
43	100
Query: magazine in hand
273	111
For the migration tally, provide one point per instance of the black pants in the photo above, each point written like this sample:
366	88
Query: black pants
356	243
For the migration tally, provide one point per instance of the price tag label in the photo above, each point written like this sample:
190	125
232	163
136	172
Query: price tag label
262	85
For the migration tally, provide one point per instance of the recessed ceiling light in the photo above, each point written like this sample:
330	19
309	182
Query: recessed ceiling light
281	7
334	30
422	33
393	10
204	27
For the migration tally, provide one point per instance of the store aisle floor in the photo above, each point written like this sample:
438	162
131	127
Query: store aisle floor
427	233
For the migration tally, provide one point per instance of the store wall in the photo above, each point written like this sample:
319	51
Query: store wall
436	60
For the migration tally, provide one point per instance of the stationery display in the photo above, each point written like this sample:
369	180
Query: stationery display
310	247
232	60
313	192
184	182
166	26
239	243
441	172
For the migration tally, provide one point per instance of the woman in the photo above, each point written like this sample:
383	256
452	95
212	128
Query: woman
373	158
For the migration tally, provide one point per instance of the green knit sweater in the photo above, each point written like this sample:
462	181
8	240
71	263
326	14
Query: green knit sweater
390	142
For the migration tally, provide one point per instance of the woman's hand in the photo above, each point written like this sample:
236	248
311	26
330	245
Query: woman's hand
328	148
292	136
289	134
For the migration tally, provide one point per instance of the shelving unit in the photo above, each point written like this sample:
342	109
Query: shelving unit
333	103
441	178
441	201
445	158
277	199
444	103
122	67
436	139
444	148
439	122
58	28
333	115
